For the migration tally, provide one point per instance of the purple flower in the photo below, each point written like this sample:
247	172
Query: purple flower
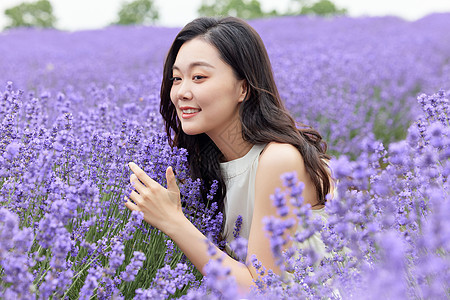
398	153
257	265
289	179
133	267
170	251
168	281
12	151
276	229
90	283
296	193
212	250
134	222
437	135
14	260
237	227
218	280
279	201
340	168
116	255
413	136
239	247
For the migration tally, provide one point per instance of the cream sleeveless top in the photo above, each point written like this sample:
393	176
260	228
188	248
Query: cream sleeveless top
239	176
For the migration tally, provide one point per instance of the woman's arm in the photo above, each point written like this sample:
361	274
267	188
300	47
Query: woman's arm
162	209
275	160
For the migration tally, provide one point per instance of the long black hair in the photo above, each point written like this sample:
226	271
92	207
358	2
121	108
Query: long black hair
262	113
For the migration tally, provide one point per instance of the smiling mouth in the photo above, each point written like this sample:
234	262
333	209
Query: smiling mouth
190	111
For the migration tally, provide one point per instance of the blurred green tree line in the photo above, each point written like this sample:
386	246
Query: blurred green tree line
251	9
138	12
144	12
34	14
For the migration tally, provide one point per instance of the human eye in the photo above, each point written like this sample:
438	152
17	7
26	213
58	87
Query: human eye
175	79
198	77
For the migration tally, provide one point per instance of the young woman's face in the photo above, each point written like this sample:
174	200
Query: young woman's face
205	91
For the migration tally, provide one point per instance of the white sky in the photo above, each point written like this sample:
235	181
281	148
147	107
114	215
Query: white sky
93	14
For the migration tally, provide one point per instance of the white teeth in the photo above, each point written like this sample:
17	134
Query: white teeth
190	111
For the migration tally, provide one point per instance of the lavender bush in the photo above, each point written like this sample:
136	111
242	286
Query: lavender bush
64	186
388	232
79	106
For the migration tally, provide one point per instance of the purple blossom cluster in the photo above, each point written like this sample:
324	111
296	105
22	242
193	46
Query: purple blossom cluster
350	78
79	106
387	235
64	227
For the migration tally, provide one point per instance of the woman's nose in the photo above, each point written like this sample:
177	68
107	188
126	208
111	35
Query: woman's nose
184	91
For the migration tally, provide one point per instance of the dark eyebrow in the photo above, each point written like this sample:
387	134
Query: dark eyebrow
196	64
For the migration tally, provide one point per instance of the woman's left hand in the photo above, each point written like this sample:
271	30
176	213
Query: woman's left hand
160	206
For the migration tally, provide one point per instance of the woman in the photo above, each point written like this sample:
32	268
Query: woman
220	102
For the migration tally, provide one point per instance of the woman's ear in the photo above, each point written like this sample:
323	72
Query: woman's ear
244	90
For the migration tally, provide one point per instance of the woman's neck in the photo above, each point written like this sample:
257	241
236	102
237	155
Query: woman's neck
230	142
235	152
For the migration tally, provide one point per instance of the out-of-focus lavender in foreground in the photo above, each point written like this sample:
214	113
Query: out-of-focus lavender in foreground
79	106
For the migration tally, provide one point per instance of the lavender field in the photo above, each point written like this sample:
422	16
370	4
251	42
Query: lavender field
77	107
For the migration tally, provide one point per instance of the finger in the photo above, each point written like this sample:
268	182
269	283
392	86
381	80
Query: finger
141	175
171	180
135	197
137	185
130	205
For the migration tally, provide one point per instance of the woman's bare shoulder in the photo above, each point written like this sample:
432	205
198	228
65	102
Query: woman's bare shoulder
280	157
280	153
